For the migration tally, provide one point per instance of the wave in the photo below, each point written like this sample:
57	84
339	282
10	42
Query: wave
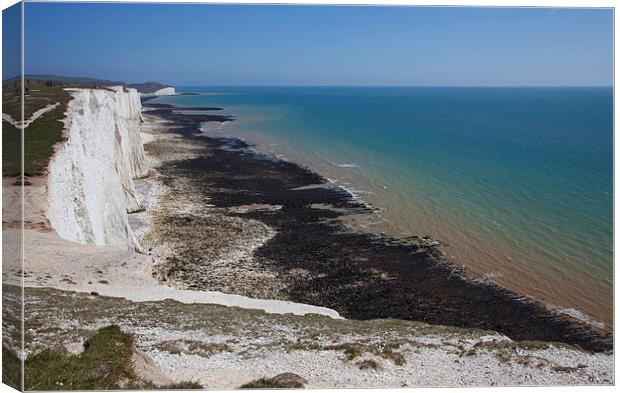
210	126
573	312
343	165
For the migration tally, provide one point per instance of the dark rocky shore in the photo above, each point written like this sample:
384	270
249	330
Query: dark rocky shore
315	258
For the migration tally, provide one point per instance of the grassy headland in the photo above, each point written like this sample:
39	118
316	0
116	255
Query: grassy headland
41	135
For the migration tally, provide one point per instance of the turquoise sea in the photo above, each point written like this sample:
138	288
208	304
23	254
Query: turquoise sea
516	182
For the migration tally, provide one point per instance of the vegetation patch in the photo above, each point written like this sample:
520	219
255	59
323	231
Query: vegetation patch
304	347
369	364
193	347
507	351
389	352
177	386
565	369
351	350
506	348
40	136
105	364
11	150
280	381
43	133
355	350
11	369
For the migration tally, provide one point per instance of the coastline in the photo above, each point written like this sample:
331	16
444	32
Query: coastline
216	295
477	254
277	196
78	224
307	217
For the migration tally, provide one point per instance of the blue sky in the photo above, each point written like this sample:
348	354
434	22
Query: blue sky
318	45
11	41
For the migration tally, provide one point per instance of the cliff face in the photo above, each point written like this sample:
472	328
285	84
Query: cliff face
166	91
90	181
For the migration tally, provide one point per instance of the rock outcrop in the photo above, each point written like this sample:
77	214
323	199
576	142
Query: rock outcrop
90	180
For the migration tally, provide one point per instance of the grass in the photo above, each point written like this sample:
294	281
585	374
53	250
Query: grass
507	352
351	351
177	386
262	383
11	150
390	353
354	350
282	381
369	364
505	349
40	136
193	347
105	364
565	369
39	97
11	369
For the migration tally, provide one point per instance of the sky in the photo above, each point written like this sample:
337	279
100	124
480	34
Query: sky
11	41
198	45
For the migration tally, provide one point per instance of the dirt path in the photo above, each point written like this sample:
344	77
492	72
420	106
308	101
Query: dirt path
27	122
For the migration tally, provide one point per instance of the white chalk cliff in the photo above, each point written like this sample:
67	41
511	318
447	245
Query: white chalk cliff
90	191
166	91
90	179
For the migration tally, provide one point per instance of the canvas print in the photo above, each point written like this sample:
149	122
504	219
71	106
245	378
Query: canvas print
222	196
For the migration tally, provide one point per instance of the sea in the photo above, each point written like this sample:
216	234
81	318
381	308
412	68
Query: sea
515	182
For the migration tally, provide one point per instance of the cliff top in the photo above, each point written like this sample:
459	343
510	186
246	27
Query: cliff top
144	87
45	104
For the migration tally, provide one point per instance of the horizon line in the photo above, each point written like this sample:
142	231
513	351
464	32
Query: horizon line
316	85
379	85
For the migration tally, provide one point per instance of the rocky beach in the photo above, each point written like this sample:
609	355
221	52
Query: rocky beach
285	223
